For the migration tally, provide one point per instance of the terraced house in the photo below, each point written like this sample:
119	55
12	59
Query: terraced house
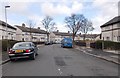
92	37
30	34
58	36
111	30
7	31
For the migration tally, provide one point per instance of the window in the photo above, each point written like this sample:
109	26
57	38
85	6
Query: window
18	45
118	38
42	38
107	28
2	37
107	38
22	39
26	39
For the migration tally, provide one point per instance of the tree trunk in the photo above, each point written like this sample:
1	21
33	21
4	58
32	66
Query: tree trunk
47	36
84	37
73	40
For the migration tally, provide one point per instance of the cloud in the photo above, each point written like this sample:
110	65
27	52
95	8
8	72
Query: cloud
76	7
49	8
16	8
107	11
37	20
19	0
61	27
20	8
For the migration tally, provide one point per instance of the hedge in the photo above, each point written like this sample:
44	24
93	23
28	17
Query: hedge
8	43
11	43
80	43
107	45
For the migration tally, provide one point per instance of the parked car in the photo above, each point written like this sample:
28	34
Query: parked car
22	50
66	42
48	43
58	42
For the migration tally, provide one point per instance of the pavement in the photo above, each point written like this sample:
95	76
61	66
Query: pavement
56	61
107	55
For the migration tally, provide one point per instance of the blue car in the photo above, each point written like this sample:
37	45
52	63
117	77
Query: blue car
66	42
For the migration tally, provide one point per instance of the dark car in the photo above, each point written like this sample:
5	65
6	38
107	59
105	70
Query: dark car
48	43
22	50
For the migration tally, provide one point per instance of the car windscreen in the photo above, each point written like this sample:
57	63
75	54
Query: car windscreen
21	45
68	40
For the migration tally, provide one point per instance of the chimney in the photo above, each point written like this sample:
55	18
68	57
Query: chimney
68	31
38	27
57	30
23	25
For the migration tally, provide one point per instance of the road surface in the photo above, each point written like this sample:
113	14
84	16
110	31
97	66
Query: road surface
56	61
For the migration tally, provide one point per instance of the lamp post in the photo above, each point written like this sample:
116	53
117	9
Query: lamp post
6	24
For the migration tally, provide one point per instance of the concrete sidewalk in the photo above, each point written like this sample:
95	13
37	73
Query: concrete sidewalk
109	56
4	57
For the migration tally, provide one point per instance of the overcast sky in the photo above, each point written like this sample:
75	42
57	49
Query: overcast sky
98	11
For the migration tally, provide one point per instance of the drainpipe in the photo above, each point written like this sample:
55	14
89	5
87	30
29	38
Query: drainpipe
112	32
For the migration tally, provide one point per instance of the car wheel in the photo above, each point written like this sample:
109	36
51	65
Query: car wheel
32	57
36	54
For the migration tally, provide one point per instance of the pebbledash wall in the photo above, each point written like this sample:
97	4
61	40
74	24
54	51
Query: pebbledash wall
25	35
11	31
111	32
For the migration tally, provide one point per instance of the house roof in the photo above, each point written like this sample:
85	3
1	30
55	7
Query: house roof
62	33
4	24
33	30
90	35
112	21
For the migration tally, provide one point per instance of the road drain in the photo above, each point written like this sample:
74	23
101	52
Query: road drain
59	61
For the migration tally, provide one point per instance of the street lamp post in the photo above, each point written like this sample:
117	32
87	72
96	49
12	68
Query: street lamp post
6	24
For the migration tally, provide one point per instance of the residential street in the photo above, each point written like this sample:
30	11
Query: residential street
56	61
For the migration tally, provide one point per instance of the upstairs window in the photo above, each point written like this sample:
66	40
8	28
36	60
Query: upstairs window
107	38
118	38
107	28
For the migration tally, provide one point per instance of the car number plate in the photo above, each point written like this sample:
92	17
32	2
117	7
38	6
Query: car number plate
19	51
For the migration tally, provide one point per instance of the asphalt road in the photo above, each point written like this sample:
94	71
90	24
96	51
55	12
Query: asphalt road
56	61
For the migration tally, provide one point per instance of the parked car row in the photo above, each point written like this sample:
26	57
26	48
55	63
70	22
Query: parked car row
29	49
48	43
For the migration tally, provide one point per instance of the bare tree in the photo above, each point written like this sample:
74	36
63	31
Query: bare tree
86	27
48	23
31	25
77	23
74	22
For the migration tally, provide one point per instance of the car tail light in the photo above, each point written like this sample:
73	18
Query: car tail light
11	51
27	51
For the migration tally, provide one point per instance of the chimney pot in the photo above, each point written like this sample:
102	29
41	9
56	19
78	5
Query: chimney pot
23	25
38	27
